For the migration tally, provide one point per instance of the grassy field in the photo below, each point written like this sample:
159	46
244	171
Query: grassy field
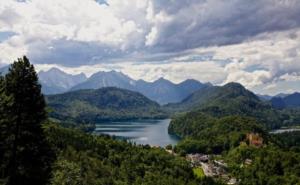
198	172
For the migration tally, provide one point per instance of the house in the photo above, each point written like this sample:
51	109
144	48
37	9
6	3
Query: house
254	139
196	159
248	162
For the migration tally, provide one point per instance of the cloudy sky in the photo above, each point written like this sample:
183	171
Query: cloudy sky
256	43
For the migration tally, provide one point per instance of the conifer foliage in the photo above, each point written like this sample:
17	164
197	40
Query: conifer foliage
25	154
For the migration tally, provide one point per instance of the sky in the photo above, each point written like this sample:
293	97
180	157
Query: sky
255	43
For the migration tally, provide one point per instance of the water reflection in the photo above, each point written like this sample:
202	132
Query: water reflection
152	132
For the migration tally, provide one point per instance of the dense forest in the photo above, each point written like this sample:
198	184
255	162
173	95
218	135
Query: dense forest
268	165
87	159
253	155
205	134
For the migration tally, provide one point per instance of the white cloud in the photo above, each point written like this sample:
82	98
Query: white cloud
119	26
293	77
79	20
255	43
265	59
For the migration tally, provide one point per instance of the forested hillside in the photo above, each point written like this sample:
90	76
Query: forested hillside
105	104
206	134
87	159
233	99
251	154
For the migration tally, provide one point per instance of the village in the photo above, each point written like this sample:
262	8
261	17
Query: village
213	166
209	166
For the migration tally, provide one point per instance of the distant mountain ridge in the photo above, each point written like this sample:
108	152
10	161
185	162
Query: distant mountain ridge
105	79
282	95
4	70
286	101
264	97
55	81
162	91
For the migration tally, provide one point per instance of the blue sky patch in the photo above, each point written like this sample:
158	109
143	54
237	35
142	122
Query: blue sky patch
6	35
101	2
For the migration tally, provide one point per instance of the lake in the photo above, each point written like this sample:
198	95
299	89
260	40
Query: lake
152	132
283	130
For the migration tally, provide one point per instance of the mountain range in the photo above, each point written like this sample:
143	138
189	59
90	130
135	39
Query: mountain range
162	91
77	92
266	97
288	101
55	81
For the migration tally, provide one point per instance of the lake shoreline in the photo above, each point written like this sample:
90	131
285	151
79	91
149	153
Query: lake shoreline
153	132
284	130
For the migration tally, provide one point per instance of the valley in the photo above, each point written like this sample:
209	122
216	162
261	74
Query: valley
215	135
149	92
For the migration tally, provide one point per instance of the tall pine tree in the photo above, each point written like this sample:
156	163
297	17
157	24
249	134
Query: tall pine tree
4	130
27	155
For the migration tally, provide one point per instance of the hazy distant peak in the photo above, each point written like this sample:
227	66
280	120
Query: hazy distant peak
208	84
162	80
189	81
282	95
57	81
295	94
112	73
105	72
52	70
141	80
57	71
82	75
4	70
282	100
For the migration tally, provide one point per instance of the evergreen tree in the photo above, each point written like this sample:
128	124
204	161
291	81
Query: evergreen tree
4	129
27	152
